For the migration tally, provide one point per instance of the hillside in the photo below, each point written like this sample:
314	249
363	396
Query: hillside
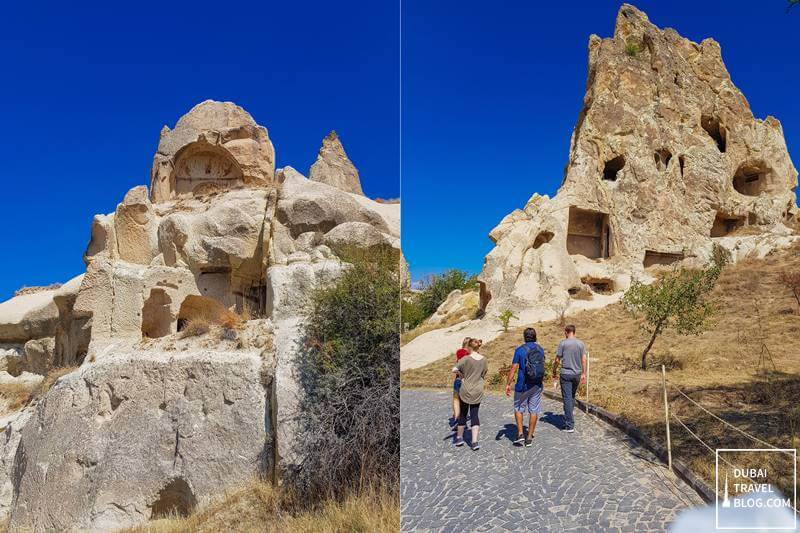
723	369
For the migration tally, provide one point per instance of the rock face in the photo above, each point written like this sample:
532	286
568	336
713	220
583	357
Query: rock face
120	441
334	168
666	159
140	429
215	146
456	302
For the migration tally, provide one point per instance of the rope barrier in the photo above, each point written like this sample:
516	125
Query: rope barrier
727	423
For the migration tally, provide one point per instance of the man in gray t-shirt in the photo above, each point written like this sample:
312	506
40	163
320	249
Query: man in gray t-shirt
571	356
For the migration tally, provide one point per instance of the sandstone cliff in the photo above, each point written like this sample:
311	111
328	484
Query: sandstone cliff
151	422
666	159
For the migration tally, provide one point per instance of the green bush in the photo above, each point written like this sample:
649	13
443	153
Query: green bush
411	313
350	374
435	289
505	318
632	48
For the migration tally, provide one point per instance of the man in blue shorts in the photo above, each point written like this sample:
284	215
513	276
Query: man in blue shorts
527	395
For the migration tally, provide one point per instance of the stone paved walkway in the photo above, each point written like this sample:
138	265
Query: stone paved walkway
595	479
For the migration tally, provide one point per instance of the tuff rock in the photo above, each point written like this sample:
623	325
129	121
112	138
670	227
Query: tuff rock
666	160
334	167
151	421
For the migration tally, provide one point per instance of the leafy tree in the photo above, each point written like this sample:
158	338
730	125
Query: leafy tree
411	313
436	288
505	318
677	300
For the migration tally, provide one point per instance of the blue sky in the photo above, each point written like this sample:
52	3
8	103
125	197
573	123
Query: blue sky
86	89
492	91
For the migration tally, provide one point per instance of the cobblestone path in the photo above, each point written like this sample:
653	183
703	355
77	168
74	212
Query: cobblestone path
596	479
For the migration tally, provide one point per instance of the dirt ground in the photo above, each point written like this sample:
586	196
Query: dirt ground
745	368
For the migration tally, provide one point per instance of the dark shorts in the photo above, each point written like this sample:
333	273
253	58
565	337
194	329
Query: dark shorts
456	384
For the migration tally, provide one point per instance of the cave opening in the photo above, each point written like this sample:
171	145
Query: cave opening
612	168
662	158
156	315
726	224
599	285
541	238
655	258
588	233
752	179
715	130
175	499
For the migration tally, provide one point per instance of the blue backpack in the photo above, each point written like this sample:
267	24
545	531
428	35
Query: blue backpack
534	365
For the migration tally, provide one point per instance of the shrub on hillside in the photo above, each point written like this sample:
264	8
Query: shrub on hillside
678	300
433	290
791	280
351	377
411	313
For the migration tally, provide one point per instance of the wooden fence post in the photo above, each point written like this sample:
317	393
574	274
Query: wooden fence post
587	383
666	416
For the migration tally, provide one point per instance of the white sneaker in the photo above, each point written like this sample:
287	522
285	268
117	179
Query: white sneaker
569	430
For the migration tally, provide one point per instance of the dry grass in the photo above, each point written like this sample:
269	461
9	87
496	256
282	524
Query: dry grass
36	288
232	320
195	327
259	506
727	369
49	380
15	396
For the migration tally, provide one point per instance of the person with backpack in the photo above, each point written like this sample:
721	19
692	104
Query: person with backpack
571	355
528	369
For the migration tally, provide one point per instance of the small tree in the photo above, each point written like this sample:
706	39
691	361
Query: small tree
791	280
677	300
559	307
505	318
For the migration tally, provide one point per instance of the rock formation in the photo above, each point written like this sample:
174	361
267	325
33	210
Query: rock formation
666	159
334	168
150	421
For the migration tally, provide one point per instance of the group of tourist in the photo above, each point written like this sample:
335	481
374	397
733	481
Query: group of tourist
526	375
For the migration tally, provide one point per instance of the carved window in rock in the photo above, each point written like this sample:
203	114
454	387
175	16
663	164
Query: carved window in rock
588	233
654	258
203	168
157	315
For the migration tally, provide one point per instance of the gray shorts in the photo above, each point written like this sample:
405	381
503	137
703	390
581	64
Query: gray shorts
529	401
